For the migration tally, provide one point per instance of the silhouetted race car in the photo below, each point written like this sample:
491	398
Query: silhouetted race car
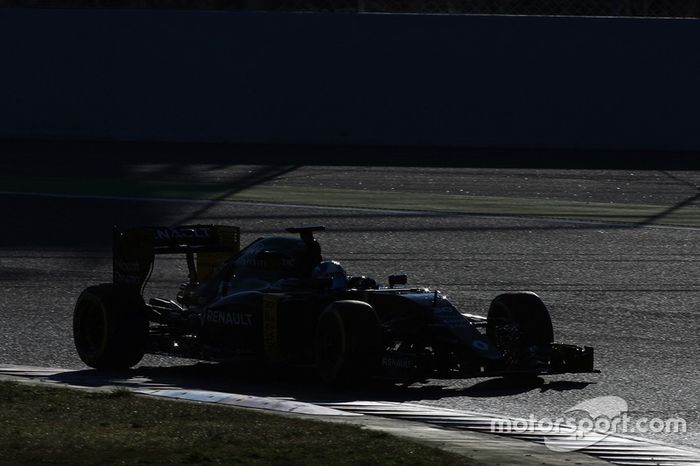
277	302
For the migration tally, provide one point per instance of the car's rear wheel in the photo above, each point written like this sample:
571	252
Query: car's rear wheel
110	327
520	326
348	342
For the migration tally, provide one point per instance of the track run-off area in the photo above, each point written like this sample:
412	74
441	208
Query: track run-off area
614	255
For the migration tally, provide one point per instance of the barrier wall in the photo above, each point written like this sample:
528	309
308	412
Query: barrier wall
525	82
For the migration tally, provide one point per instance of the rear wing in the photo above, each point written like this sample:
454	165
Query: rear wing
206	246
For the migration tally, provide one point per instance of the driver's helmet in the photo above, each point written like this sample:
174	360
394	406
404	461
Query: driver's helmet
334	271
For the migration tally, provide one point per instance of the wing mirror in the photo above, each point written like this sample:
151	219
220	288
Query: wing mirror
394	280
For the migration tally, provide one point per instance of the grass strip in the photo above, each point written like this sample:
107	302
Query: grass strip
47	425
681	215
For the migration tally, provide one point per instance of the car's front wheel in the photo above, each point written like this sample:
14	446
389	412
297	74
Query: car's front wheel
520	326
348	342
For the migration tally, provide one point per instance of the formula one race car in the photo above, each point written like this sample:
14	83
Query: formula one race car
278	302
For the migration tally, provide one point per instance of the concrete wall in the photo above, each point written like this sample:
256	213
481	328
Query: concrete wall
350	79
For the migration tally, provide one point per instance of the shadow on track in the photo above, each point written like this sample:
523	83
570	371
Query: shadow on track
679	205
301	386
85	223
256	177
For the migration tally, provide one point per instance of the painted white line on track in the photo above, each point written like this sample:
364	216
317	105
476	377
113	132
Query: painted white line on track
31	370
425	213
248	401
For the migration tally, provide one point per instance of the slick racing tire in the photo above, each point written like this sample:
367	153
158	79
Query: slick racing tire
110	327
348	342
517	323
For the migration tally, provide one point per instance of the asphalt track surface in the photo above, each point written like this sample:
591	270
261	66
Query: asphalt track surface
629	291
